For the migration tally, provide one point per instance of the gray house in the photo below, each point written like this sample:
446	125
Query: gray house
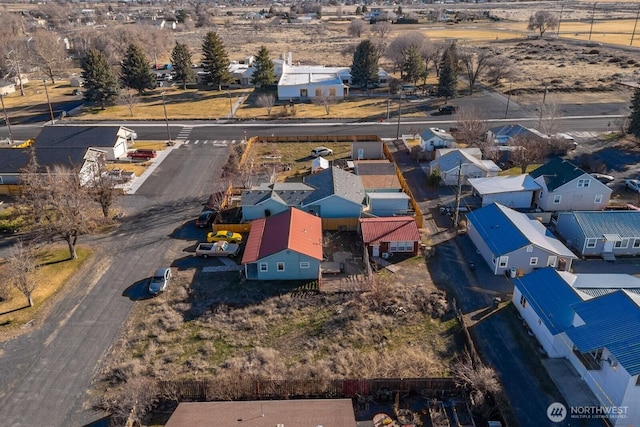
457	165
387	204
511	242
338	194
434	138
367	150
566	187
601	233
286	246
514	191
271	199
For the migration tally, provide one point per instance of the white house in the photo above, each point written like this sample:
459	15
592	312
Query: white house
312	81
434	138
599	335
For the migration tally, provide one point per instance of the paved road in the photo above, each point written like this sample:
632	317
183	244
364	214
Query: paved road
45	374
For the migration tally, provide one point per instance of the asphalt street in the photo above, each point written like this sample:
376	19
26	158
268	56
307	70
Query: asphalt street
45	374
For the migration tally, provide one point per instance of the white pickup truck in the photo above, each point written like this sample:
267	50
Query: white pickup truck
205	250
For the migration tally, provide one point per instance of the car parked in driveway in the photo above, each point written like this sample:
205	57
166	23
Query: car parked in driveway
633	185
321	151
605	179
224	236
160	281
205	219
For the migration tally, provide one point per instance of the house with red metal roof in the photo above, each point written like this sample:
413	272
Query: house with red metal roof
286	246
390	235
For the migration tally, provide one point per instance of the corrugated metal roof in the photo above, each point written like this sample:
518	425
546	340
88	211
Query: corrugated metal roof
597	224
292	229
389	229
611	321
550	296
505	230
503	184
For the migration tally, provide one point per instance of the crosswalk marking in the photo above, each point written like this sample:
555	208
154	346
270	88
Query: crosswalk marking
214	143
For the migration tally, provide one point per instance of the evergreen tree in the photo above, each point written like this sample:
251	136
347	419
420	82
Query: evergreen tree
264	73
414	67
364	70
135	72
448	78
215	61
634	118
182	64
100	82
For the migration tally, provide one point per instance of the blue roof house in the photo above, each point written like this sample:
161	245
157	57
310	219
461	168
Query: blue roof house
601	233
599	336
511	241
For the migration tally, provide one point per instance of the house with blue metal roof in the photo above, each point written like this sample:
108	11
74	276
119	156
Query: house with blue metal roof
604	234
511	241
600	335
566	187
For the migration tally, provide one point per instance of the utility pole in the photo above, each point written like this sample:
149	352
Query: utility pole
544	97
560	20
166	118
458	195
53	120
230	105
634	26
506	113
399	114
6	118
593	14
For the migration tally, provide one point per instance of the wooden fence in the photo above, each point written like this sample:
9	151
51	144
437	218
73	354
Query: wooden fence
342	224
255	389
10	189
317	138
405	187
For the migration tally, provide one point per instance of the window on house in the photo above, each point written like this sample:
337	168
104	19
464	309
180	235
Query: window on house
1	181
584	183
332	91
504	260
636	243
523	301
591	243
393	246
280	266
533	260
304	93
638	381
624	243
264	266
530	248
318	92
597	199
304	264
557	199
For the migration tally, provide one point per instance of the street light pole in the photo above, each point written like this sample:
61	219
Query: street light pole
166	118
6	118
399	114
634	26
593	14
560	20
53	120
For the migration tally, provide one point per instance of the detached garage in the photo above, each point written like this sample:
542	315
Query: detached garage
394	234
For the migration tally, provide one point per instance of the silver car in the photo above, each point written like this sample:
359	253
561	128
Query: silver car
633	185
160	281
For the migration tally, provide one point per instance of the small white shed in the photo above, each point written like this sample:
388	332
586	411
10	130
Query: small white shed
319	164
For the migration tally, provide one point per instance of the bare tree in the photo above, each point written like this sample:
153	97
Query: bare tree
480	380
471	126
399	49
549	124
267	101
500	67
131	401
129	98
102	185
528	149
21	270
542	21
356	28
49	53
325	100
16	57
474	62
382	29
62	203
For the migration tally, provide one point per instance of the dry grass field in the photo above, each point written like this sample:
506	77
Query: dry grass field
207	324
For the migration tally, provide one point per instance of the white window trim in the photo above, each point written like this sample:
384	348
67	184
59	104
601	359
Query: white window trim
622	244
264	267
305	264
530	248
278	265
584	183
533	260
503	261
557	199
636	243
597	199
591	243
